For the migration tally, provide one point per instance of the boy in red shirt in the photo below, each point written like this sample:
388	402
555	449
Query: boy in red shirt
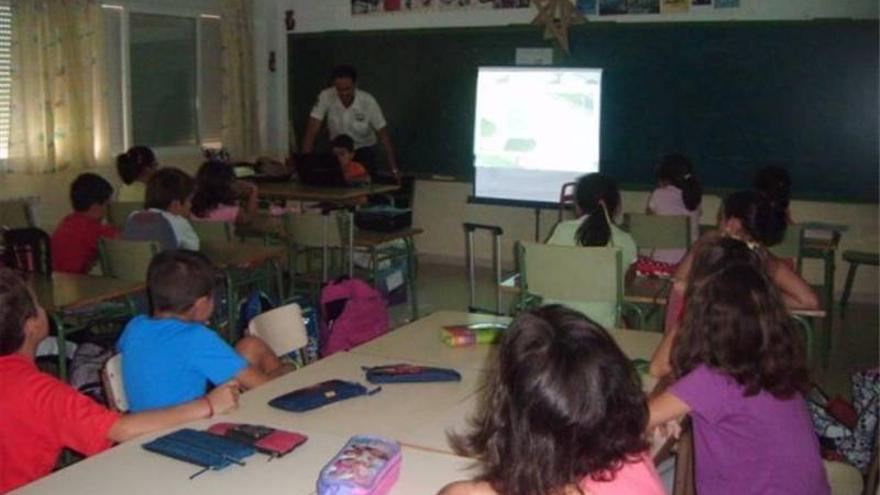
39	415
75	241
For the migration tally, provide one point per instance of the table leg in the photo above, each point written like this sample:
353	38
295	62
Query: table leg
62	346
411	268
350	213
324	253
828	254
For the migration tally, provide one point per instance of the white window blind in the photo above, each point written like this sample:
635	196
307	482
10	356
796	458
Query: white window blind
5	75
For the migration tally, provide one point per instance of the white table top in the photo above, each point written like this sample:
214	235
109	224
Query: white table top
417	415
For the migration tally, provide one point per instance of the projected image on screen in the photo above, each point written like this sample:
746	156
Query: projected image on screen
535	129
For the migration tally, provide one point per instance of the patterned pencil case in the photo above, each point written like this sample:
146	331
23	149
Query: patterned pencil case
473	334
408	373
321	394
366	465
270	441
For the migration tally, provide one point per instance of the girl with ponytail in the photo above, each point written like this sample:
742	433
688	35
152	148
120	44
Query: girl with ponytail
135	167
597	203
678	192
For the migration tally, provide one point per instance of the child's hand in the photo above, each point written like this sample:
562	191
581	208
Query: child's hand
224	398
671	428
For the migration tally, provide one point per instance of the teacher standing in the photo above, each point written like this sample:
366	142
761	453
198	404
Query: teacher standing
350	111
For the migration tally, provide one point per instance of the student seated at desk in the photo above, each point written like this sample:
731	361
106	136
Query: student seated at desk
678	192
740	369
40	415
169	197
217	194
75	240
564	414
597	201
343	149
752	218
170	356
135	167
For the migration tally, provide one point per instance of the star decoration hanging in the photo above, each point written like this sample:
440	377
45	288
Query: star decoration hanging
557	16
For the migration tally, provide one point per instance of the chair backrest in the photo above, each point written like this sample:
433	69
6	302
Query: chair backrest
114	388
125	259
790	245
659	231
28	249
566	198
213	231
119	211
16	214
150	226
282	329
684	483
572	273
308	230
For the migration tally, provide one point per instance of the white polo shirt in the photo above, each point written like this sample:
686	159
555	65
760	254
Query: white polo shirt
360	120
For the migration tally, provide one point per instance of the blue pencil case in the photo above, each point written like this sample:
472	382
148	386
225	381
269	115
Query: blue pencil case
408	373
319	395
200	448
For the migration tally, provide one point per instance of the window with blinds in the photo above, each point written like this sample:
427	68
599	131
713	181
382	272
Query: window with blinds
5	75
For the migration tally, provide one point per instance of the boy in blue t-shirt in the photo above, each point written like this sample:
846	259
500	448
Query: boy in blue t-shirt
171	357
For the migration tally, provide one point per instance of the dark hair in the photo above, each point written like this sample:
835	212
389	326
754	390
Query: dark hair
562	402
89	189
177	278
736	322
16	307
214	183
676	169
344	71
131	164
764	220
168	185
774	182
343	141
592	191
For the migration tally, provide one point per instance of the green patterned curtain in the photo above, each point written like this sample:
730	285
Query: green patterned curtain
59	108
240	127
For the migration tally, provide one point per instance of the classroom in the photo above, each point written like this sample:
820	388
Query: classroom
374	241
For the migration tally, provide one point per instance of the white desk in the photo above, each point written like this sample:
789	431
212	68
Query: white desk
128	469
417	415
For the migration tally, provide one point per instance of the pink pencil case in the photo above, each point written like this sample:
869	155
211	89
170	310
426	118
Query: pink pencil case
366	465
269	441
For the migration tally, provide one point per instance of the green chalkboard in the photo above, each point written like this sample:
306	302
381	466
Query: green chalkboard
728	94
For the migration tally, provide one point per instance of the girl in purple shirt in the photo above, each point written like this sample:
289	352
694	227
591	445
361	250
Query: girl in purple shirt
740	365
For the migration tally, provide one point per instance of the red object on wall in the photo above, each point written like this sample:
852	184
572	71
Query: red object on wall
392	5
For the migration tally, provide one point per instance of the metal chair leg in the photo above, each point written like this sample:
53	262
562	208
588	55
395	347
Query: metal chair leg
850	278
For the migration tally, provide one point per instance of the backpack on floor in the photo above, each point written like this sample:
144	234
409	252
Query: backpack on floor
257	303
353	312
85	370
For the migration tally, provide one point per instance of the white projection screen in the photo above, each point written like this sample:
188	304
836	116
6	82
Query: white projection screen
535	129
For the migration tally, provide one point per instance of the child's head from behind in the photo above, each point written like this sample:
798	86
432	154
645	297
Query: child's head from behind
563	402
181	283
675	169
774	182
343	148
90	193
138	163
20	316
753	217
170	189
214	187
736	322
597	196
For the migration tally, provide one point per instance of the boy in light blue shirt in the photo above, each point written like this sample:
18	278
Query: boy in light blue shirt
171	357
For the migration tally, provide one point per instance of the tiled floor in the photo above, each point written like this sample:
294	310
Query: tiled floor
854	341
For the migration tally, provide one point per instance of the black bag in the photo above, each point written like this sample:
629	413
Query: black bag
383	218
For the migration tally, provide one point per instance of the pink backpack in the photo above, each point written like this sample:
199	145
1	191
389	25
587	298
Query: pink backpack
353	313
